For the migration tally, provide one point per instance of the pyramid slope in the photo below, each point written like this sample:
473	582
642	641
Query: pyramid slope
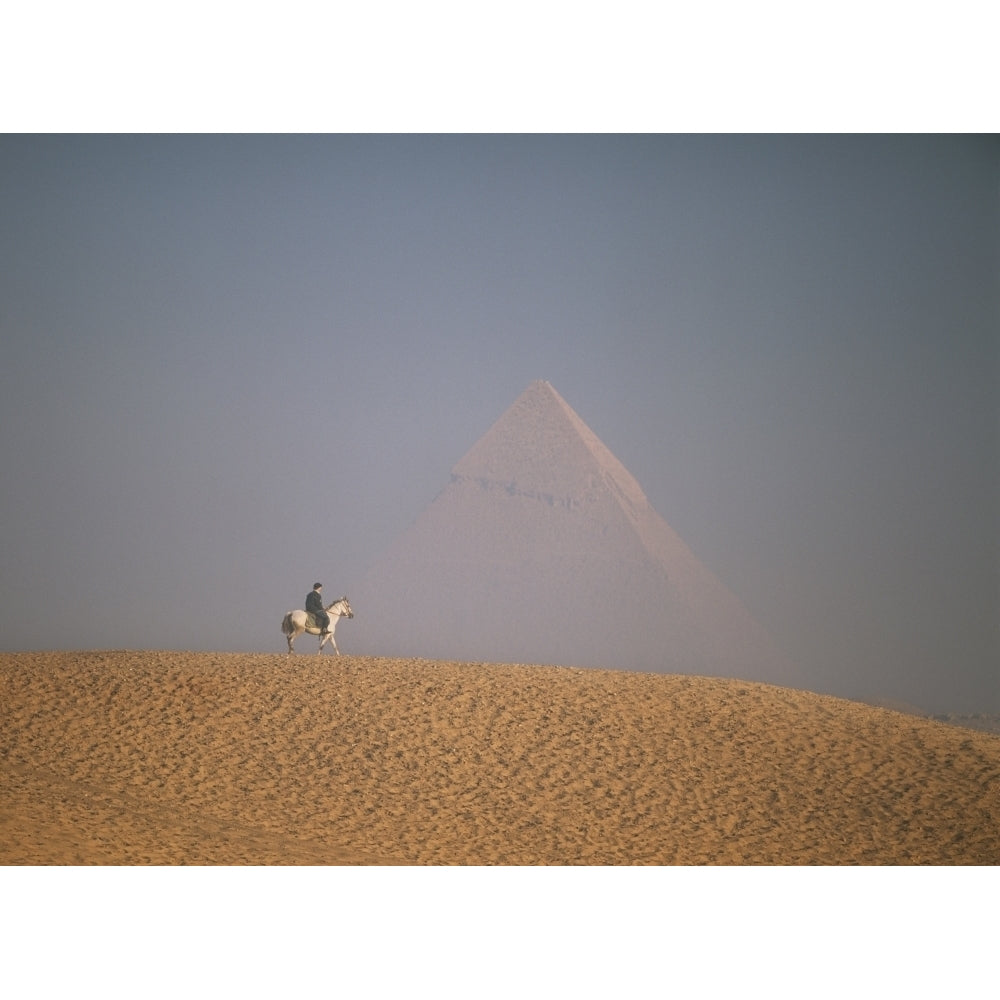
543	549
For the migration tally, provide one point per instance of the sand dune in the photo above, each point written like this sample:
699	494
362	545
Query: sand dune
125	757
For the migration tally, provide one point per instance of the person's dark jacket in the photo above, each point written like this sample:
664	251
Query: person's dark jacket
314	602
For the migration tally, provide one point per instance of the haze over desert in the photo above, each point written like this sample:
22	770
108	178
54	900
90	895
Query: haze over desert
171	758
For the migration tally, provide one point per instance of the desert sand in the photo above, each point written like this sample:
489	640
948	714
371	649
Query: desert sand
170	758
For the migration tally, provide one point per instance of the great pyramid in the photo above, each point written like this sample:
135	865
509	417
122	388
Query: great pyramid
543	549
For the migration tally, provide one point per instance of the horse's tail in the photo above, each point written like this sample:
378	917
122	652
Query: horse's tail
286	624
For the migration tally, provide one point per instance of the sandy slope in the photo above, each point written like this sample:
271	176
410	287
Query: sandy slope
168	758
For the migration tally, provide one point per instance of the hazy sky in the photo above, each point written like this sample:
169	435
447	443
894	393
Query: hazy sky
233	366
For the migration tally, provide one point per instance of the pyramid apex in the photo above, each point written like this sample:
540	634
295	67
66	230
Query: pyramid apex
540	384
540	444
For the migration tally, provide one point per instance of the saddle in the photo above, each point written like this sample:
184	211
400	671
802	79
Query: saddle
311	621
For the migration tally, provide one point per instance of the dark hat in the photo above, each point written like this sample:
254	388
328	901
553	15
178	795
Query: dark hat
316	586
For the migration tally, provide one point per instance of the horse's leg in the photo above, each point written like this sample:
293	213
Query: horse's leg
333	639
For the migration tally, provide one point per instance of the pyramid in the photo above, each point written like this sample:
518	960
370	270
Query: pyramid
543	548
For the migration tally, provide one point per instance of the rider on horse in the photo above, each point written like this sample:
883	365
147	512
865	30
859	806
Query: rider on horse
314	605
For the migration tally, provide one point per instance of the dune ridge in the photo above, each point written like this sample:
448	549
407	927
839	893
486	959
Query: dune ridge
167	757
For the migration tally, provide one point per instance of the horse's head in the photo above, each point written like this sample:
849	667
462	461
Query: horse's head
346	605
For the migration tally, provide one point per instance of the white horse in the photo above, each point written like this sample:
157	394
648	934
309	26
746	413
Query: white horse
297	622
